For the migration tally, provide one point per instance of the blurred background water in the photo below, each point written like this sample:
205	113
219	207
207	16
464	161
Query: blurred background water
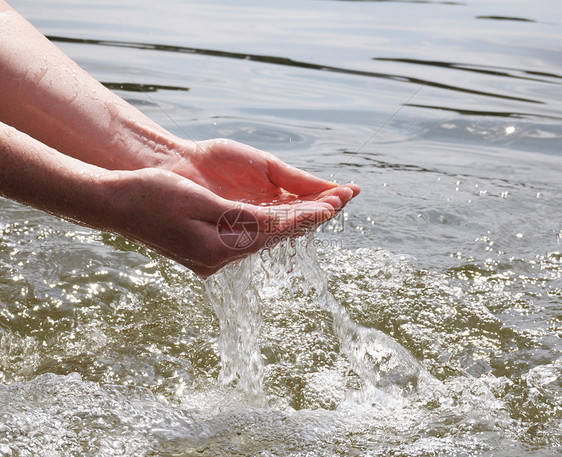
427	323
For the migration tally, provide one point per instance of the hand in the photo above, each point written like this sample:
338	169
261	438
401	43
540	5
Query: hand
169	213
239	172
171	195
185	221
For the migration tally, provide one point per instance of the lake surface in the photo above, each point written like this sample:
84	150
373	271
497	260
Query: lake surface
424	321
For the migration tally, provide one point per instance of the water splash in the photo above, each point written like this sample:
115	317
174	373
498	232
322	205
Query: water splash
236	303
239	294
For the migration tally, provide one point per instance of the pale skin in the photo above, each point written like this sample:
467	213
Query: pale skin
73	148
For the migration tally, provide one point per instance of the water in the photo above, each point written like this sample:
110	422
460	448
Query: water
425	321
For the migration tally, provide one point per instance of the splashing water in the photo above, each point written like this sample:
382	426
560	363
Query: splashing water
299	342
336	370
239	294
237	305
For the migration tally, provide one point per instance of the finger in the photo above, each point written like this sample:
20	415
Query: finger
248	229
296	181
354	187
337	197
293	220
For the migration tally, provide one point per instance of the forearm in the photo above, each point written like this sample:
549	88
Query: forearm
37	175
48	96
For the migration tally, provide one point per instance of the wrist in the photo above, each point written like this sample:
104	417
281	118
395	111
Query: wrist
158	149
137	143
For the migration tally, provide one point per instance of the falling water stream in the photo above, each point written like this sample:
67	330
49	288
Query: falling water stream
368	381
239	296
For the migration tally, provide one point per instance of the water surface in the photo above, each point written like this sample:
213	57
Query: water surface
426	320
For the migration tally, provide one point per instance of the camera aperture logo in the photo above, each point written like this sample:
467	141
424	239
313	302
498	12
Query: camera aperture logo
237	229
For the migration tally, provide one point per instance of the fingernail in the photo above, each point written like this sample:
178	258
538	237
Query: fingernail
354	188
347	194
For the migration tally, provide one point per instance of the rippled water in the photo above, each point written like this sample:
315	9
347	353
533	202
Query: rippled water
425	321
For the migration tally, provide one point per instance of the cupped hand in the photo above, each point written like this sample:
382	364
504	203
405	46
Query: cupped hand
239	172
203	230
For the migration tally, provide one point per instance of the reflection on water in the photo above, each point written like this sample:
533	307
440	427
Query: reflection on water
134	87
311	66
428	322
